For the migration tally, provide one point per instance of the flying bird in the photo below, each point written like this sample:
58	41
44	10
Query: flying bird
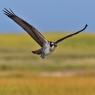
46	46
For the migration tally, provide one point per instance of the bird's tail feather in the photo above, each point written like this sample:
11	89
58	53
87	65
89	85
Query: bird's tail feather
37	51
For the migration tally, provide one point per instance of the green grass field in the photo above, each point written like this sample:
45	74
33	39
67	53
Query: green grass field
70	70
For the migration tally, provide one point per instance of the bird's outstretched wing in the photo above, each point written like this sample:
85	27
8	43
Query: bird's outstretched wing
32	31
56	42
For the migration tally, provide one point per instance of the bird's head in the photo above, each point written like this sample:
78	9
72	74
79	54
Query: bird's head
52	45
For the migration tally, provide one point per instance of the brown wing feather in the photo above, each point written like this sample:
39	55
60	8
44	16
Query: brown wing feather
33	32
70	35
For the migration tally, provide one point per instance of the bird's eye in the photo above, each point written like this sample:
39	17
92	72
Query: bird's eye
51	44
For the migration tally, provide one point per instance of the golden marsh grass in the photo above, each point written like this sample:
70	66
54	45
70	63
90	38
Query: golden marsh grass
70	70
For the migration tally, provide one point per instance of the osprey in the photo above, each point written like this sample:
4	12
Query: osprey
46	46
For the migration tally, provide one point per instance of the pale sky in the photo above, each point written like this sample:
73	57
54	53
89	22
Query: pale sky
50	15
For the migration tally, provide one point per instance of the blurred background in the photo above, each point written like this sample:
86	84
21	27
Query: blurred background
70	70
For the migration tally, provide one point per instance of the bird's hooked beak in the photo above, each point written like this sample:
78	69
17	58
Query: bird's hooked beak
55	45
